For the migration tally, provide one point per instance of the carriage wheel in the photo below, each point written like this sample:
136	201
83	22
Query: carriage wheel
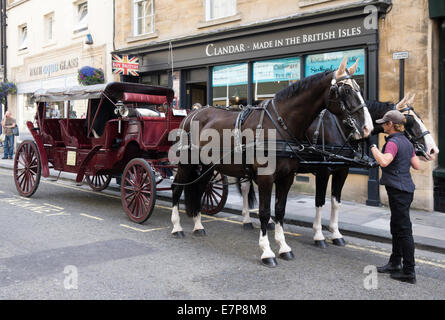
99	182
215	196
138	190
27	169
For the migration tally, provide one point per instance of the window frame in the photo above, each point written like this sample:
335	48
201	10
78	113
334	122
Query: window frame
79	25
210	15
49	28
136	18
23	37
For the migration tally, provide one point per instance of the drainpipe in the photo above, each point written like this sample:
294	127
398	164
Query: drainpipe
3	43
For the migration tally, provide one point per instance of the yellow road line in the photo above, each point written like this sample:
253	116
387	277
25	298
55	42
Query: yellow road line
387	254
143	230
91	217
51	205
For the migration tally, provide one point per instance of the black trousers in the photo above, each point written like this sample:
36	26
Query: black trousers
401	228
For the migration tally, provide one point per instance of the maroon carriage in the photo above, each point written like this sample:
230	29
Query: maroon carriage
103	131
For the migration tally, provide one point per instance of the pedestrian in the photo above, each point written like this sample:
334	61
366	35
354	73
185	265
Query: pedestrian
8	124
396	159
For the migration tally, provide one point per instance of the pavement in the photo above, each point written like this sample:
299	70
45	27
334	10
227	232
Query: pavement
355	219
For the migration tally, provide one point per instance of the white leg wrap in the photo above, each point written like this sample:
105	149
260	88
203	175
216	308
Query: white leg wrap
198	224
279	238
333	226
176	220
245	186
265	246
318	235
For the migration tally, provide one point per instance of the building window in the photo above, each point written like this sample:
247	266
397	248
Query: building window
156	79
270	76
216	9
49	27
23	37
143	14
230	85
81	17
317	63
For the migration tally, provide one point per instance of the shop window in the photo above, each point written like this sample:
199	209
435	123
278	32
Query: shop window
27	102
317	63
156	79
78	109
23	37
230	85
49	27
55	110
143	17
216	9
270	76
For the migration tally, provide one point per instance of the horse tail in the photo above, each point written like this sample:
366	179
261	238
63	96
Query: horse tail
252	196
192	194
252	201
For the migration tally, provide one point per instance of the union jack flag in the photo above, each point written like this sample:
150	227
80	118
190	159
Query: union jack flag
126	65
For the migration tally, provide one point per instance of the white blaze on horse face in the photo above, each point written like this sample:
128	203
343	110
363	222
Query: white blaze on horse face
369	126
333	226
265	246
318	236
431	148
198	224
176	220
279	238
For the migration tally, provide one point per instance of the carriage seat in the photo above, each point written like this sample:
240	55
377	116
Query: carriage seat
73	133
108	136
51	133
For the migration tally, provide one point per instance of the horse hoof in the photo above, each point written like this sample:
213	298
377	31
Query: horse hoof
248	226
179	235
271	226
288	256
321	244
339	242
199	233
269	262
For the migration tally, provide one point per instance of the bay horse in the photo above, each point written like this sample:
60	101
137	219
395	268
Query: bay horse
416	132
301	102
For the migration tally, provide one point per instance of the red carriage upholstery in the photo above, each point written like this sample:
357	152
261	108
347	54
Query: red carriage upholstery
110	132
144	98
51	133
73	133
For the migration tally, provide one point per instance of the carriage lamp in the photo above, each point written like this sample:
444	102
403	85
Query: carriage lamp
122	111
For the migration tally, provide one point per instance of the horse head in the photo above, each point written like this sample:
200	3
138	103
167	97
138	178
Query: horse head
349	104
416	131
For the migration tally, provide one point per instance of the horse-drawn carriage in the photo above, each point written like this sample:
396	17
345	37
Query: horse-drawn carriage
103	131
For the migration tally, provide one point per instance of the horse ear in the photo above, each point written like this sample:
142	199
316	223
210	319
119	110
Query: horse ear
402	102
353	69
342	69
411	100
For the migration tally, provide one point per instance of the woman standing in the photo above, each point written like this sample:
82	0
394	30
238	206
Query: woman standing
396	159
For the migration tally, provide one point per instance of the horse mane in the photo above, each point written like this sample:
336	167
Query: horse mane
378	109
300	86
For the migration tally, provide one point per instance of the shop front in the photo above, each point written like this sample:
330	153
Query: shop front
56	69
246	65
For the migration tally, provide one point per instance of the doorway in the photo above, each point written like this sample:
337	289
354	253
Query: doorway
196	93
